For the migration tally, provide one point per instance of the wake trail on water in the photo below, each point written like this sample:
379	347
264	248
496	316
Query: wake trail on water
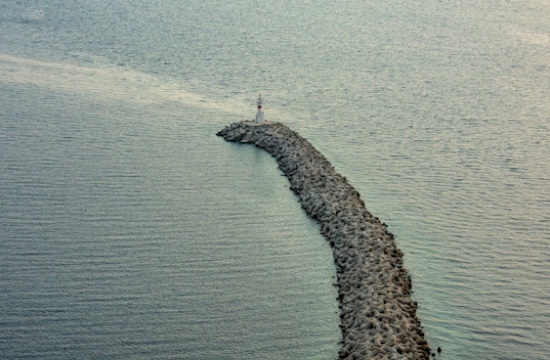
108	83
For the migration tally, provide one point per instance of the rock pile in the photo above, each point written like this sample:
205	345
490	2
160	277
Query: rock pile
378	317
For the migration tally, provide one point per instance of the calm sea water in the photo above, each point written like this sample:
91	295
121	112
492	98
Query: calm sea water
127	229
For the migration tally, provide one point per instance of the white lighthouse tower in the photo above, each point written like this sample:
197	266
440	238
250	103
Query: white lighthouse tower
260	113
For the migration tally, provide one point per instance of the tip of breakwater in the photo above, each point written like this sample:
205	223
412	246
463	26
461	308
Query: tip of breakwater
378	317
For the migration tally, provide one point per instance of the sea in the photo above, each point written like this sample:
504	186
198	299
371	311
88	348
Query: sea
129	230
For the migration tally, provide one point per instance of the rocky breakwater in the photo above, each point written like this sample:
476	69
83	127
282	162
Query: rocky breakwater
377	314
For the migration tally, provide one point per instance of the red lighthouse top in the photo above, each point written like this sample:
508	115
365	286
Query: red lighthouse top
259	102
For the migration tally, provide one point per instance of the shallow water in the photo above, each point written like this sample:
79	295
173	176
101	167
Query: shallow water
128	229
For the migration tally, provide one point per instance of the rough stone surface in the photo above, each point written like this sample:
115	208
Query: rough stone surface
378	317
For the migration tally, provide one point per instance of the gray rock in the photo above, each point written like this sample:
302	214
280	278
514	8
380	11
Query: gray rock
378	317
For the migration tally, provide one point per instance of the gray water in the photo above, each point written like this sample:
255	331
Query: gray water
127	229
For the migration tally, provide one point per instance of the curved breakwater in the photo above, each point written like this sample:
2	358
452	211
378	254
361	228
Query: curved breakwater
378	317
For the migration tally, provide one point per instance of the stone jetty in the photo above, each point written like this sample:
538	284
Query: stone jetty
378	317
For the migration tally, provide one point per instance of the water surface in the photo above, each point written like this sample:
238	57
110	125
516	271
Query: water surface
128	229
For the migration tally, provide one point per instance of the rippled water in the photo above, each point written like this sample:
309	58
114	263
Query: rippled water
127	229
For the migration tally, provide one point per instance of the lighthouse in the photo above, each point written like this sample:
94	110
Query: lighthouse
260	113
